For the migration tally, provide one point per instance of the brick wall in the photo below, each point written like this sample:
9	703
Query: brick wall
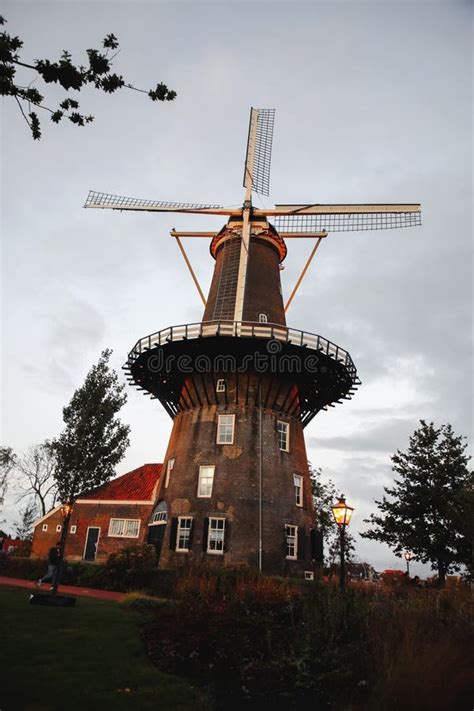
235	493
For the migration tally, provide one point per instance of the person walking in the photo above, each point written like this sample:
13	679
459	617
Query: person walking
53	563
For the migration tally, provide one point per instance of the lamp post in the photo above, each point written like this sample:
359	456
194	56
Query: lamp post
408	556
342	515
66	512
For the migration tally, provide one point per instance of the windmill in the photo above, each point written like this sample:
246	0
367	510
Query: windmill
241	385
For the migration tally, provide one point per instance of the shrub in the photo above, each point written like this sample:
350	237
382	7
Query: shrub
131	567
265	641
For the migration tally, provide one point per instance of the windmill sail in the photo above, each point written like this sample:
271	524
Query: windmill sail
259	151
120	202
355	221
343	218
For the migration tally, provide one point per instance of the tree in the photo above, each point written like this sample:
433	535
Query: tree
427	511
94	439
324	496
24	527
7	462
36	468
70	76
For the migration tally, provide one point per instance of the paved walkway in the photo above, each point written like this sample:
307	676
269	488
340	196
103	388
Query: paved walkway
66	589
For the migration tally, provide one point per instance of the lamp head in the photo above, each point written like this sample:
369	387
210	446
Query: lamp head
342	512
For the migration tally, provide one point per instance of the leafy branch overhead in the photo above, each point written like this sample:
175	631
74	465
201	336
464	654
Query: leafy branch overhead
70	76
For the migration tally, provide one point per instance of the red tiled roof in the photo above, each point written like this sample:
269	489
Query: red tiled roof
137	485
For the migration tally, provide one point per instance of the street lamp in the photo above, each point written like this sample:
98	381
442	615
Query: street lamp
408	556
66	512
342	515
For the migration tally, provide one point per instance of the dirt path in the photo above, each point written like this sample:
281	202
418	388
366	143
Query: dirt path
66	589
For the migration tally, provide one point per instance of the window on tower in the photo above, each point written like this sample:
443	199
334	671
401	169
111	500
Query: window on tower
283	434
298	482
220	387
215	535
183	537
206	480
262	318
169	469
225	429
291	535
160	514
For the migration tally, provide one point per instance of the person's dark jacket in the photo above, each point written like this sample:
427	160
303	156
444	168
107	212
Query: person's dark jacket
53	556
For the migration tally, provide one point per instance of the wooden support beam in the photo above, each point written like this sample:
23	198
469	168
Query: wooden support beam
301	277
188	264
175	233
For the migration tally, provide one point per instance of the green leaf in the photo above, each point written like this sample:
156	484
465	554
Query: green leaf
162	93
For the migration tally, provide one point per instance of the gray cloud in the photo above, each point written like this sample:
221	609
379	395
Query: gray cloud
384	437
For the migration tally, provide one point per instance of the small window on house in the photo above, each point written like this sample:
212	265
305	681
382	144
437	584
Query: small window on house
124	527
220	387
73	529
262	318
206	480
58	528
291	534
215	535
308	575
298	481
283	434
169	469
225	429
45	527
160	514
183	537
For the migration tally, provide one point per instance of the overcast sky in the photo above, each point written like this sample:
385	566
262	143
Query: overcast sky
373	104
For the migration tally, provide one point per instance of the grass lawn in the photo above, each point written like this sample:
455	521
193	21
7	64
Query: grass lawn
87	657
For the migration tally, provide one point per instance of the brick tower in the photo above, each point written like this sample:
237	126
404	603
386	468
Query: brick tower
241	385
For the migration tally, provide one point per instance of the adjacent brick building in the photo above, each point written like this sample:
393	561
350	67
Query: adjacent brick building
108	518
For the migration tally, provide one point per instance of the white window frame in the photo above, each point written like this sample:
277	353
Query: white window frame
200	480
58	528
126	522
45	527
73	529
222	429
169	469
298	484
159	518
180	529
219	539
220	385
291	537
262	318
308	575
286	429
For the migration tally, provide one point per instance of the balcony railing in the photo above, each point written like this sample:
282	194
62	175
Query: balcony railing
243	329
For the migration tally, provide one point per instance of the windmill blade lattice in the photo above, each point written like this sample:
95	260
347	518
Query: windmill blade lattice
346	222
257	166
119	202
